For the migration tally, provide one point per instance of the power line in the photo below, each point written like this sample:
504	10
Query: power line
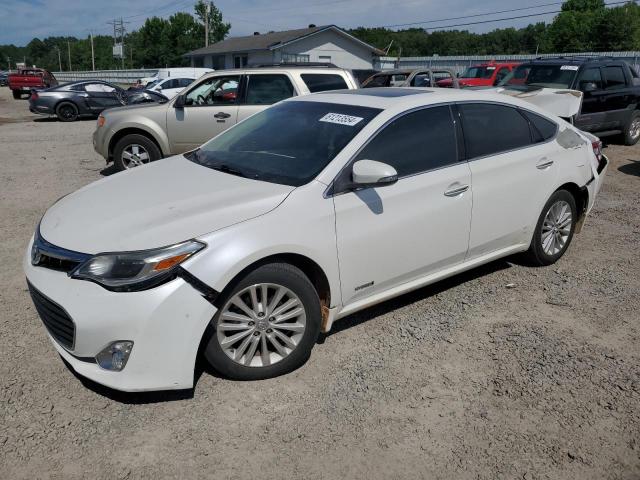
492	20
473	16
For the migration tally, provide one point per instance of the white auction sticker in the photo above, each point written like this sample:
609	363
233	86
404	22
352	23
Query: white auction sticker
341	119
491	68
569	67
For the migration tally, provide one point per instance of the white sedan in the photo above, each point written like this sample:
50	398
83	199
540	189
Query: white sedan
170	87
249	247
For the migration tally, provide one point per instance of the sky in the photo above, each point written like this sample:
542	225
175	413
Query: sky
22	20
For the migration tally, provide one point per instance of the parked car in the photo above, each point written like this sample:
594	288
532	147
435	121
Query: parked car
421	77
86	98
4	79
170	87
482	75
610	91
27	79
304	213
144	96
209	106
177	72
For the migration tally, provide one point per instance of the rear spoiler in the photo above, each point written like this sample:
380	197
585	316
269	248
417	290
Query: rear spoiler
561	102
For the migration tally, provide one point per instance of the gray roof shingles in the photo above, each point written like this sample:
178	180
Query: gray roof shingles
263	41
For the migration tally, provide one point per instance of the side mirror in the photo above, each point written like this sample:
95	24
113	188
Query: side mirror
179	103
589	87
369	173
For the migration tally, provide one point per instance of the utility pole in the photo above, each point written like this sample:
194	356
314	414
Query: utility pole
118	30
93	56
59	57
9	62
206	24
69	53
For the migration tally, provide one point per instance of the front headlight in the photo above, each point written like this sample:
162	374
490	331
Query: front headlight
131	271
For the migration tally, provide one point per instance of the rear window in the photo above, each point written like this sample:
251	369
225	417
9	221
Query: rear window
317	82
478	72
491	129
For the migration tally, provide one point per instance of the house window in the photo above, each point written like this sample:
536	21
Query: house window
218	62
240	61
198	62
295	58
325	58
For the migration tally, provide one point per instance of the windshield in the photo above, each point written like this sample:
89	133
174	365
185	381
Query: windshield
289	143
478	72
542	76
151	84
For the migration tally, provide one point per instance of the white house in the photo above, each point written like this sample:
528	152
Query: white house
329	44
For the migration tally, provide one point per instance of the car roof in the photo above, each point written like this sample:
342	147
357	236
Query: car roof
569	60
401	99
251	70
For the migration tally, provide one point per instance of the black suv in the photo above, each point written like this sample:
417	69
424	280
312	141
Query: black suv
611	91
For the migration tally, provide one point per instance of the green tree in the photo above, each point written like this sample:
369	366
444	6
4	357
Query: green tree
218	29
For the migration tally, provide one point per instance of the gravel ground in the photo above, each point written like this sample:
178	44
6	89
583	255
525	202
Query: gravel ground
504	372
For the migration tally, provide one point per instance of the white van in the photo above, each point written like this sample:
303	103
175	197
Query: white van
184	72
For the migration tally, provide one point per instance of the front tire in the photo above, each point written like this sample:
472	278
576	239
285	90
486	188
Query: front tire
134	150
632	129
554	230
67	112
267	325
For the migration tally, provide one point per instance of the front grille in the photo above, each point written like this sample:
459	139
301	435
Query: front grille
54	317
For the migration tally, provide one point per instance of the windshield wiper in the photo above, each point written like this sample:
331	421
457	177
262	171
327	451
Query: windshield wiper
264	152
227	169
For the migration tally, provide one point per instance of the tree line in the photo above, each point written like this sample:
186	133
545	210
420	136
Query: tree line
581	26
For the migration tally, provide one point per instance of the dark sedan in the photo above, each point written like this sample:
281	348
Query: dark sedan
86	98
4	79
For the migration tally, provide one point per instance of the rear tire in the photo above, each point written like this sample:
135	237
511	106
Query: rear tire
67	112
632	129
134	150
554	230
17	94
278	325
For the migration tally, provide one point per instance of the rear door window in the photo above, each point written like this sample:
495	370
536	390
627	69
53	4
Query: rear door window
317	82
416	142
542	129
268	89
614	78
491	129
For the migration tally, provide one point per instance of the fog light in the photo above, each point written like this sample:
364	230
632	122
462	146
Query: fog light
114	357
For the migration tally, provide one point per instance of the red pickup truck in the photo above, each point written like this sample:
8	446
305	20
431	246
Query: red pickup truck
26	79
483	75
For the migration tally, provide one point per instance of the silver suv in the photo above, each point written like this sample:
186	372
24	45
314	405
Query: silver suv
134	135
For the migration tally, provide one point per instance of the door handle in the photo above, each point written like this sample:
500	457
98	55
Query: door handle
454	192
544	163
222	115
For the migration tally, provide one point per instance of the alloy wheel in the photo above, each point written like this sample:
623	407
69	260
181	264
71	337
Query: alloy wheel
634	129
261	325
556	227
134	155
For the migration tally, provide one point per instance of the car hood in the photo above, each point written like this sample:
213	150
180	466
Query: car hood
159	204
562	102
128	108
